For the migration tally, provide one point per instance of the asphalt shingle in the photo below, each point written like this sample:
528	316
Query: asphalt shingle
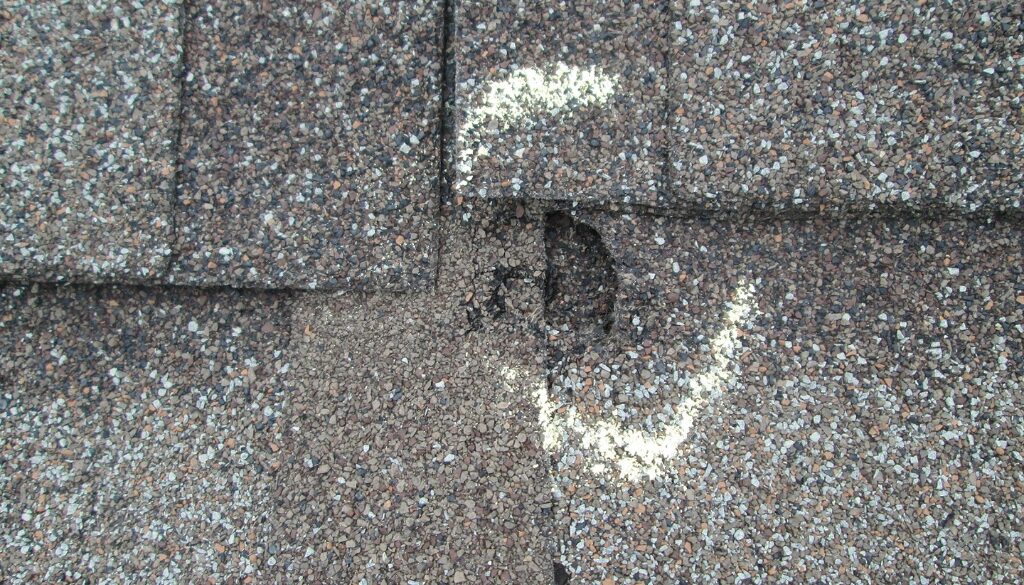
140	433
180	435
310	144
847	107
817	401
635	359
418	454
88	127
560	100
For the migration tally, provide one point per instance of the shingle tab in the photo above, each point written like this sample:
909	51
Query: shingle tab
560	100
803	383
847	107
719	106
88	128
310	144
139	432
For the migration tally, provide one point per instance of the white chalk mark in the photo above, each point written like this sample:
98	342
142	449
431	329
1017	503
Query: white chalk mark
526	93
640	454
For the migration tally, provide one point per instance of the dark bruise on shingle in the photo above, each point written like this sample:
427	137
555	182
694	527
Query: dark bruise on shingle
310	144
88	105
845	398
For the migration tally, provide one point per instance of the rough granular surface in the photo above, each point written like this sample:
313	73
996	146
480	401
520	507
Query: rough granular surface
661	291
139	433
828	107
418	453
310	144
560	100
847	107
166	436
796	402
88	128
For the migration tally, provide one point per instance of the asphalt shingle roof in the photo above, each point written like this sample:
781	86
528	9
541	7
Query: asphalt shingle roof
308	135
634	292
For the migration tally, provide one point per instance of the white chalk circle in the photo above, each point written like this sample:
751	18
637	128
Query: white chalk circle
637	454
558	90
